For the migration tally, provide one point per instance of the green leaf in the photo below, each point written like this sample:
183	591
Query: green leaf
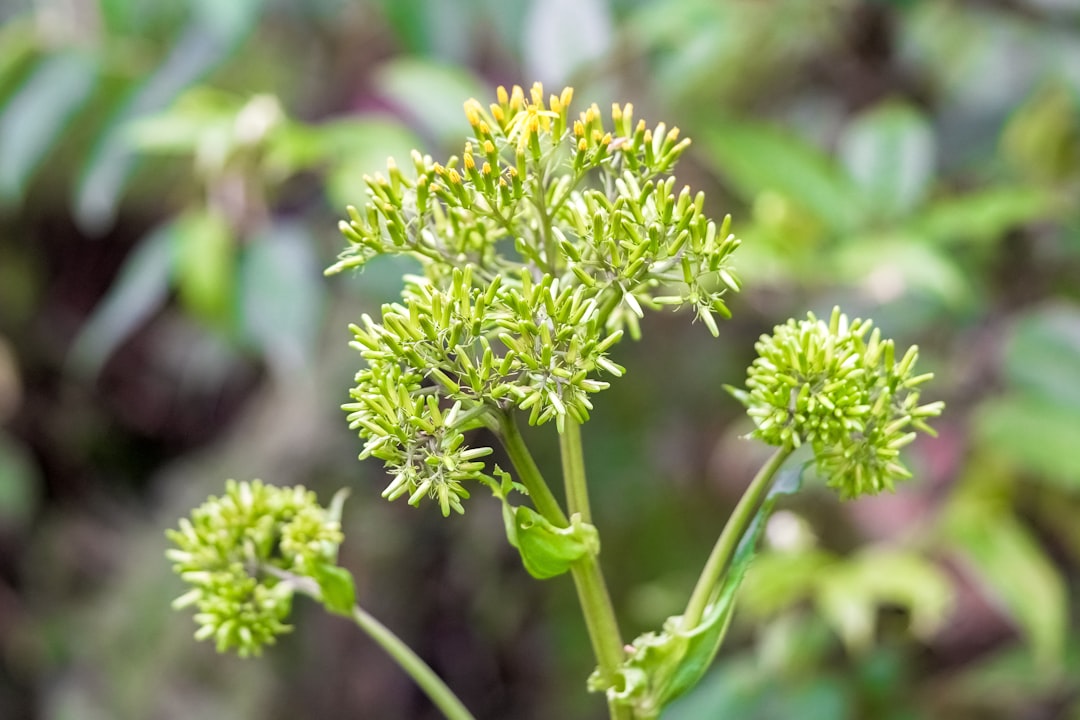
890	266
38	113
1042	355
889	153
1008	560
118	16
197	117
354	148
211	36
408	21
756	158
139	289
983	216
1039	435
777	580
19	50
205	260
546	550
850	592
1042	138
1003	682
746	689
281	295
431	94
337	588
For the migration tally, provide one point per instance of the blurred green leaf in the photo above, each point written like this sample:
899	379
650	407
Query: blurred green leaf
562	35
213	33
432	95
408	19
19	482
756	158
1036	434
1008	679
205	262
117	15
139	289
361	143
38	113
889	267
746	691
185	125
1008	560
889	153
355	148
1042	139
850	593
19	46
281	293
777	580
1042	356
982	216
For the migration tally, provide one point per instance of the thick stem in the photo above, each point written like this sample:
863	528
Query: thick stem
600	623
730	536
432	685
528	472
592	591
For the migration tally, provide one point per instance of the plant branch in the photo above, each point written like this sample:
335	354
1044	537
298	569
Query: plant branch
529	474
432	685
730	536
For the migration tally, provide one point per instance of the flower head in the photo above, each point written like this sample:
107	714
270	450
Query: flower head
235	551
541	247
838	387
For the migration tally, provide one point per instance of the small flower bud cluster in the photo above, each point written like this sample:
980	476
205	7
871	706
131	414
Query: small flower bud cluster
229	550
432	373
541	246
845	394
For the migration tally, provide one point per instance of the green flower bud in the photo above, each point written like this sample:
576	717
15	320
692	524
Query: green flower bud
838	387
235	549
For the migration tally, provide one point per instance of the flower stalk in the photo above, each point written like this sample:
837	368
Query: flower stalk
421	673
734	529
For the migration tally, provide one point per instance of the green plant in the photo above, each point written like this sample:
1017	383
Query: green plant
539	248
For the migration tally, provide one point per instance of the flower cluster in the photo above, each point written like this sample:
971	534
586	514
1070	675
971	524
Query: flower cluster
842	392
239	550
541	246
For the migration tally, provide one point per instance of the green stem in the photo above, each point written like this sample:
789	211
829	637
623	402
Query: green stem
599	613
730	536
592	591
528	472
573	467
433	686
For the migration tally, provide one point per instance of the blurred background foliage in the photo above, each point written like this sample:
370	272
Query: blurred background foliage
170	179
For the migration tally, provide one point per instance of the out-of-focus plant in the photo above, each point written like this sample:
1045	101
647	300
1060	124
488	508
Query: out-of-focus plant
236	265
540	246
